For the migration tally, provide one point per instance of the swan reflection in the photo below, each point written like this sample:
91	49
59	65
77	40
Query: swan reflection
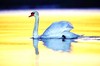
35	44
54	44
58	44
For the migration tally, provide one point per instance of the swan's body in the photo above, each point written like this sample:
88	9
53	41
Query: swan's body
55	30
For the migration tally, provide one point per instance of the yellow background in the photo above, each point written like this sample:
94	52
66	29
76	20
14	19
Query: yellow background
16	48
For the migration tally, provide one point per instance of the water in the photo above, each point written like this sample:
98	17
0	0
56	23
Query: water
16	45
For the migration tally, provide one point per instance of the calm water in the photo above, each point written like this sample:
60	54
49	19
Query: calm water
16	45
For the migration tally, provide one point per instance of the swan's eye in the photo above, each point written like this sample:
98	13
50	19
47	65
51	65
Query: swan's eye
32	14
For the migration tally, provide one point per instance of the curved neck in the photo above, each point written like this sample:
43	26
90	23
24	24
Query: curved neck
35	31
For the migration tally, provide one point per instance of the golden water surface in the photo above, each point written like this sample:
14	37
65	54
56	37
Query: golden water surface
16	47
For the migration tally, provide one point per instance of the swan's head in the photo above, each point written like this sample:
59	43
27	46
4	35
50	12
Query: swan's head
34	13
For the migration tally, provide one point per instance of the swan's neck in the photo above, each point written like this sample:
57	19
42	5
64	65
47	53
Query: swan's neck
35	31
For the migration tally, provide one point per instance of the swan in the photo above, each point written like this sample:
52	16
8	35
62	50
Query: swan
59	29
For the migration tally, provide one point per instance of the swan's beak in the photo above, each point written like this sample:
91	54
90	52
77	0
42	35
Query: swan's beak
30	16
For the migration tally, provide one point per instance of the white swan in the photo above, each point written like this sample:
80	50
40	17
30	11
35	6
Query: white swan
56	30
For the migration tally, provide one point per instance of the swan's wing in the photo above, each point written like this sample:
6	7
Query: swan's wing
70	35
58	27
